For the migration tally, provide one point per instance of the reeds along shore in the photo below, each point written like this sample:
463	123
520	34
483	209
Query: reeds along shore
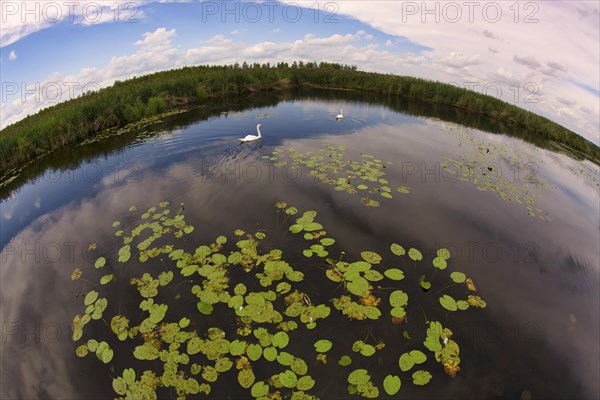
138	98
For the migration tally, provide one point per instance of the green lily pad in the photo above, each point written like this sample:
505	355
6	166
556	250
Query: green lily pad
281	339
421	377
237	347
373	275
394	274
299	366
259	389
358	377
398	298
323	345
176	254
288	379
82	351
443	253
270	353
285	358
397	249
327	241
92	345
90	298
184	322
458	277
367	350
296	228
448	303
119	386
415	254
106	279
406	362
358	286
147	352
254	351
223	364
100	262
104	352
462	305
204	308
129	375
345	361
305	383
439	263
210	374
246	378
371	257
418	356
398	312
391	384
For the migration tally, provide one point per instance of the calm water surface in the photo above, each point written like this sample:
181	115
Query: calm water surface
539	275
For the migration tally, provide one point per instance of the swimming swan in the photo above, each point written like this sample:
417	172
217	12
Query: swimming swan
340	115
251	138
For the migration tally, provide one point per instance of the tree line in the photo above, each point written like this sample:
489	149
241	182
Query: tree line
135	99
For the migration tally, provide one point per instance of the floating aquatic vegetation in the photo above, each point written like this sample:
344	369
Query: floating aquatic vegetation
76	274
360	382
482	164
391	384
330	166
323	345
264	293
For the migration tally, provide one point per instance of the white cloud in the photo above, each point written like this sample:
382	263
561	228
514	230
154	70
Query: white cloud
536	53
12	56
459	60
155	53
22	18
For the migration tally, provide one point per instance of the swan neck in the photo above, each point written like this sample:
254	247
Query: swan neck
258	130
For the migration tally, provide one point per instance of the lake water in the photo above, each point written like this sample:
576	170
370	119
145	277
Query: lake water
521	221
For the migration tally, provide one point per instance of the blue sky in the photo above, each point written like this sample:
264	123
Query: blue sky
489	46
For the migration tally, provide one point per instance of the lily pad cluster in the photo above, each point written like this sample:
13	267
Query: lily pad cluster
364	176
495	167
251	310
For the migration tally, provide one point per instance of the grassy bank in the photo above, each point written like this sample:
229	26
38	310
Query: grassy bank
132	100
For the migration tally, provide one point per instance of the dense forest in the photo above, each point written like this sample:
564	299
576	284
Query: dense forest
138	98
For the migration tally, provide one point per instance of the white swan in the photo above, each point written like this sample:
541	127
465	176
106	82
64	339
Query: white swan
340	115
251	138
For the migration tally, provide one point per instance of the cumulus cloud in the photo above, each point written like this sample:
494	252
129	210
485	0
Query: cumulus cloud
460	60
22	18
